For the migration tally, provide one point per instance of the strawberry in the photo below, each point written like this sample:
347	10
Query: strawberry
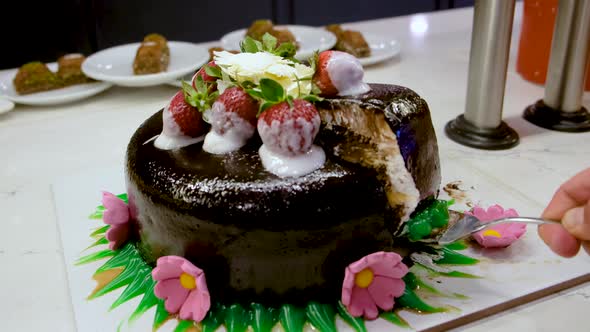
321	78
339	74
201	72
187	118
234	109
289	130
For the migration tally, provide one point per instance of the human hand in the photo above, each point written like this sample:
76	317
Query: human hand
571	206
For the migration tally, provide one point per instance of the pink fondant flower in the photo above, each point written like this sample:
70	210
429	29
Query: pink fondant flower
117	216
373	281
183	287
501	235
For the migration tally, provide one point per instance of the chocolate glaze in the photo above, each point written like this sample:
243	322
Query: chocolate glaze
266	239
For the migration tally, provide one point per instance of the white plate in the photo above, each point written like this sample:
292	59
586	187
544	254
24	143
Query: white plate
5	105
51	97
115	64
309	38
178	82
382	49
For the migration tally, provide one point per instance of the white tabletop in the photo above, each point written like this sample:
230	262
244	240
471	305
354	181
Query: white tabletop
39	145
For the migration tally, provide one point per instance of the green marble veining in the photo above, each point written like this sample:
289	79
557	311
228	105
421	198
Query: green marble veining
357	323
292	318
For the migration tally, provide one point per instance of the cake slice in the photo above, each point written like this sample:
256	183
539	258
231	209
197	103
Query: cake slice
69	69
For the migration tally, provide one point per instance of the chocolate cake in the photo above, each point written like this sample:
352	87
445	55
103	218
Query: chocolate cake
264	238
266	186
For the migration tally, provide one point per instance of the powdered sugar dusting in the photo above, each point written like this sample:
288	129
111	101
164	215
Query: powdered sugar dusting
346	74
292	166
172	136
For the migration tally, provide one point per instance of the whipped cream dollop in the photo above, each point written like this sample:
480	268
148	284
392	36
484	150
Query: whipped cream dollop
346	73
229	131
292	166
172	136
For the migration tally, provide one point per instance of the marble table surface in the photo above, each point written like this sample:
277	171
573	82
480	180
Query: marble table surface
40	145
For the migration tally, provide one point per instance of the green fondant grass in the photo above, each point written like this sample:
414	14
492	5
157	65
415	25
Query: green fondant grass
136	280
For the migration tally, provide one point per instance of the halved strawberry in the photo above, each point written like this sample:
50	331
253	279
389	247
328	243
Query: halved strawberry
186	117
234	109
289	130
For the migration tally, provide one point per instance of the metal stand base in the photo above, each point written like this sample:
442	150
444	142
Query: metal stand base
499	138
549	118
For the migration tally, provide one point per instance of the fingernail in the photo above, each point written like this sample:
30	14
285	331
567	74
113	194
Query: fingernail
573	218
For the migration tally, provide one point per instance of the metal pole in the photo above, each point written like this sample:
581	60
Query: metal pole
569	55
488	62
561	108
481	125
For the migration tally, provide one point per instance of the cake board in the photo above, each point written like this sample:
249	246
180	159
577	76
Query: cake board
524	272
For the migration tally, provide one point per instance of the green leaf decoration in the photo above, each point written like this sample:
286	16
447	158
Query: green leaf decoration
214	318
201	96
395	319
286	50
314	59
263	318
100	231
248	85
254	93
124	278
184	325
249	45
410	280
313	98
451	257
148	300
237	318
269	42
97	214
292	318
411	300
264	106
213	71
100	241
271	90
459	245
124	197
121	258
321	316
141	282
95	257
161	315
357	323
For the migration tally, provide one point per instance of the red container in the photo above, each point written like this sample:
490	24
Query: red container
535	41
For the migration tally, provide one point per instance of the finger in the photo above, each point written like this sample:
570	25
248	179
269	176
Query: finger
586	246
573	193
559	240
577	221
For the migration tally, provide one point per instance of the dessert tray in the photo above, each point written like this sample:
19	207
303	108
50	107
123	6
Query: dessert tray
52	97
456	294
115	64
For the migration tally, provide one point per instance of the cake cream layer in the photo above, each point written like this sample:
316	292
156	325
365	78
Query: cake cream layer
263	238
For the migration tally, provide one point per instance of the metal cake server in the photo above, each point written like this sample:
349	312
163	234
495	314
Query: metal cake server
470	224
